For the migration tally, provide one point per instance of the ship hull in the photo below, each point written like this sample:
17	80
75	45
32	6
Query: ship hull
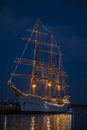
39	105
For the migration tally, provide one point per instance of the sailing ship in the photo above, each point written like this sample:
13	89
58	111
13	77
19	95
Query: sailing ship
46	76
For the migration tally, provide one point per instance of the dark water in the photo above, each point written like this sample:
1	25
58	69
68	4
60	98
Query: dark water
75	121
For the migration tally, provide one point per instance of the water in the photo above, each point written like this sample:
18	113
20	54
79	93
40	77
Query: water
75	121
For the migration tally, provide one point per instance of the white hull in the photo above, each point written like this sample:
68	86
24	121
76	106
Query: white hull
37	104
32	103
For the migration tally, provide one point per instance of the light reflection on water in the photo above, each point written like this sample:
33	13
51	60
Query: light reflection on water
75	121
37	122
5	122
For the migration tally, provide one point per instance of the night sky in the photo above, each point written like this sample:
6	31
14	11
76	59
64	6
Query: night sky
67	19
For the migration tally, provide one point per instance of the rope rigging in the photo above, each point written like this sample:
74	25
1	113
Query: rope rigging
26	46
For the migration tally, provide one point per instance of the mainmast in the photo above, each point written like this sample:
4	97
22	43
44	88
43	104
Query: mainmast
50	66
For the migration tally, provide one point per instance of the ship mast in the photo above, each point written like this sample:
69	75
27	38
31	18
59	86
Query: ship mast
59	74
33	80
50	67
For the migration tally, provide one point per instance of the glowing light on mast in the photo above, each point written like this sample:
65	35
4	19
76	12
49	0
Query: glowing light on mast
49	84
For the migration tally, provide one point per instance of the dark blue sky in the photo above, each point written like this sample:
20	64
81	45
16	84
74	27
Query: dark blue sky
67	19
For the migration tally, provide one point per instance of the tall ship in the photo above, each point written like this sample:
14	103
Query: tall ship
46	78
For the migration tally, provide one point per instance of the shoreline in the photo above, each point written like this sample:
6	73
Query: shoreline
14	108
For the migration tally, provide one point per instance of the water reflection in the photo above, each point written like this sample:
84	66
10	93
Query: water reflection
48	123
5	122
38	122
32	123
